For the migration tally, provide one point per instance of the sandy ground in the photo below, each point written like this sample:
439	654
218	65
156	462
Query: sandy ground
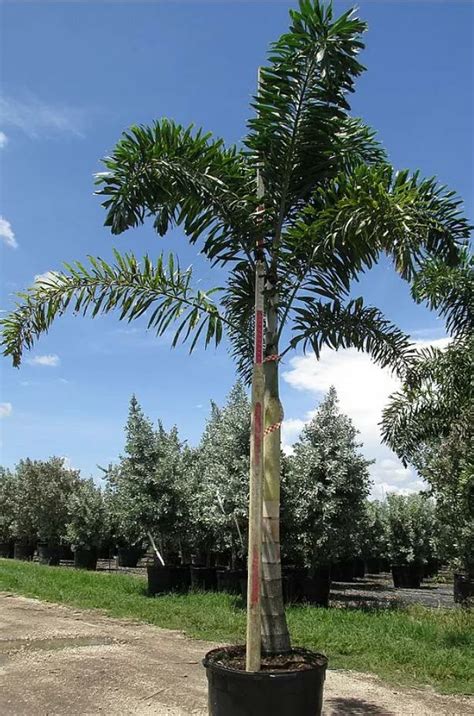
56	660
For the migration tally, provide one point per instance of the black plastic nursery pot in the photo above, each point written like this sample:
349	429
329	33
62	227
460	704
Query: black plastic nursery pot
6	550
343	571
317	587
464	589
49	553
430	569
167	579
229	580
407	576
373	565
359	568
204	579
23	551
85	558
128	556
66	553
282	692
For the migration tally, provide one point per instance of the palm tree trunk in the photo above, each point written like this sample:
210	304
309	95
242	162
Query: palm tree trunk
275	636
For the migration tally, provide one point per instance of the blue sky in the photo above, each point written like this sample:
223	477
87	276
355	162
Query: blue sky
74	76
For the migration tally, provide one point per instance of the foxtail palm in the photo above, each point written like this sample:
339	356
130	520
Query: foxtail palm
331	206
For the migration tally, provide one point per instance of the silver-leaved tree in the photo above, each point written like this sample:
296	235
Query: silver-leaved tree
328	206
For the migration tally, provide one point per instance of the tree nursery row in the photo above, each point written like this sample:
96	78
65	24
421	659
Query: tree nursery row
189	507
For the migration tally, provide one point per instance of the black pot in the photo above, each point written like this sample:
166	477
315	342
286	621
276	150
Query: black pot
128	556
162	580
407	576
204	579
48	553
343	571
23	551
464	589
316	587
85	558
359	568
373	565
293	584
431	568
229	580
235	692
6	550
66	553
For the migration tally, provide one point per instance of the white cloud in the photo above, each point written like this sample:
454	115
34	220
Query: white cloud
5	410
52	360
3	140
6	233
46	277
37	118
363	389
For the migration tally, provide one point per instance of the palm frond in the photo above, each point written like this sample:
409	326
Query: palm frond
181	177
434	402
371	210
353	325
159	291
449	289
301	134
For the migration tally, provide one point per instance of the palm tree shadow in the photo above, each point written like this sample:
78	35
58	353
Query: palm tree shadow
353	707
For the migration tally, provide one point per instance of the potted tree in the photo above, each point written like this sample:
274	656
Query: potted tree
24	525
329	483
219	484
375	537
86	526
7	502
295	214
428	422
411	536
55	484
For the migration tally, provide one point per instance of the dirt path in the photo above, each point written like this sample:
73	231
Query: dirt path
62	661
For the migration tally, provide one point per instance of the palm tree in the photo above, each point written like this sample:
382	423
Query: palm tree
306	203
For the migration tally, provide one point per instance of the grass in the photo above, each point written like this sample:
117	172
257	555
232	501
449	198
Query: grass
415	646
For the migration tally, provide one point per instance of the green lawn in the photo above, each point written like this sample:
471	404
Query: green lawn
415	646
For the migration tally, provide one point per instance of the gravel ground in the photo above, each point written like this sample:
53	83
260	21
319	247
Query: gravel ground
55	660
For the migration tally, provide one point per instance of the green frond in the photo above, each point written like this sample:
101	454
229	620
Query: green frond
301	134
181	177
160	291
371	210
352	325
434	402
449	290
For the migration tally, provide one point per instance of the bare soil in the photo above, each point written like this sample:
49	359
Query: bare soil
62	661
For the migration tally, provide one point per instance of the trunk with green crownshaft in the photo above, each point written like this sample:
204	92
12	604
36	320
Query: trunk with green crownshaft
275	636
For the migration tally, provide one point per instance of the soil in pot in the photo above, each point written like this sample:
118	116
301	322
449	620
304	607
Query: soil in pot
48	554
287	685
464	589
23	551
229	580
204	579
162	580
407	576
85	558
6	550
128	556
